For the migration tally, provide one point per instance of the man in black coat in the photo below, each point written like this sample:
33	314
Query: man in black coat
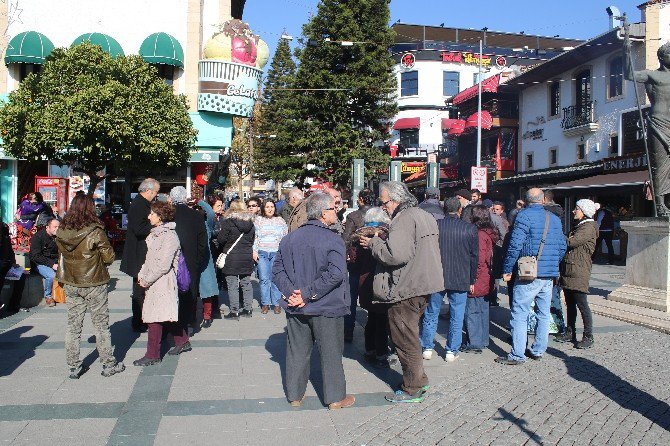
135	247
44	254
7	260
190	227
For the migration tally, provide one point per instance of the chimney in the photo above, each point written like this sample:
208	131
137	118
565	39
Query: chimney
614	15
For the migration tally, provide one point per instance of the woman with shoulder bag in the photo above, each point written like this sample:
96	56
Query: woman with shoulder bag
236	239
576	272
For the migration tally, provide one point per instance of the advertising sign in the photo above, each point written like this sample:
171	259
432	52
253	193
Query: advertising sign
408	60
478	178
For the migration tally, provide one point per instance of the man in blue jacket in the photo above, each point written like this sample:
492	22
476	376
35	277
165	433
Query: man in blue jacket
310	270
525	241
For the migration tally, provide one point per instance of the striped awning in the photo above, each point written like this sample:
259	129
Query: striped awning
162	48
28	47
487	120
489	85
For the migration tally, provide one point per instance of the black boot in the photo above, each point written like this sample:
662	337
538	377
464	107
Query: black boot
586	342
568	336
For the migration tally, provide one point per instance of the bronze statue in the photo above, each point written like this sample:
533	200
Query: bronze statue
657	85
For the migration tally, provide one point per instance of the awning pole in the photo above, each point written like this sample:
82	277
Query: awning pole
479	108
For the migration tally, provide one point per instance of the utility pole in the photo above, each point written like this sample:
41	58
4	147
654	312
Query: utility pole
479	108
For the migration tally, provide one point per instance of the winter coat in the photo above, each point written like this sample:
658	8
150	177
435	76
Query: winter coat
28	212
361	262
240	261
190	228
7	256
409	262
286	212
433	207
488	237
135	246
298	217
459	249
526	237
576	266
43	249
209	286
159	272
312	259
85	255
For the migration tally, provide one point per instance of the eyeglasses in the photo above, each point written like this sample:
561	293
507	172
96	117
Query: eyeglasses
329	209
252	206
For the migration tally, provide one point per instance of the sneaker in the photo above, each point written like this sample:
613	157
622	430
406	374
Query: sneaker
144	362
425	388
178	349
506	361
109	370
246	313
232	315
532	355
466	349
586	342
451	357
206	323
567	337
428	354
400	396
76	372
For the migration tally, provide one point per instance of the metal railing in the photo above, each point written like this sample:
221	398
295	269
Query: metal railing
579	115
416	150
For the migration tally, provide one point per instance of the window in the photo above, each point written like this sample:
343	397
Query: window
614	144
555	98
28	68
409	83
450	83
475	78
583	91
581	152
409	138
529	160
615	77
165	72
553	156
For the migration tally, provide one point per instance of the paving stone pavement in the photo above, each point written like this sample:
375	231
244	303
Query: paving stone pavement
229	390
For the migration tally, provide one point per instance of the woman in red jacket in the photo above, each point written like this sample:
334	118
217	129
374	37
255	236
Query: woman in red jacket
477	307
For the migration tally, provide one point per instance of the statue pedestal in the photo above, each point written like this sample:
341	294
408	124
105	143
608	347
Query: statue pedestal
647	282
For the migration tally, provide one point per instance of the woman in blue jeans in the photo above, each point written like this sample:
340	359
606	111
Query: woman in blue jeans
270	229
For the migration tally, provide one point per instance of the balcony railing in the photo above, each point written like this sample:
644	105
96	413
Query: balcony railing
583	115
415	150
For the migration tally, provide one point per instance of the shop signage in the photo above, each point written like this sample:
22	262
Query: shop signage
408	60
478	178
632	140
625	163
533	134
472	58
412	167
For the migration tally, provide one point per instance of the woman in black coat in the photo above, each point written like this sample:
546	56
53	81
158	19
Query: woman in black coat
236	238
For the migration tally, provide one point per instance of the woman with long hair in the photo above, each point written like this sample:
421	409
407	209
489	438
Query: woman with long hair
159	277
476	321
209	286
236	239
85	254
270	229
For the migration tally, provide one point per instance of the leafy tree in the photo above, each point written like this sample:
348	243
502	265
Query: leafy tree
91	111
241	151
276	155
344	122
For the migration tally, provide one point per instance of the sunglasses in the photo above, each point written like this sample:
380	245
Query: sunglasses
252	206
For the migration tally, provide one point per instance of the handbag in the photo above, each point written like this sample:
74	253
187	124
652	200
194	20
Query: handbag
527	265
221	260
58	293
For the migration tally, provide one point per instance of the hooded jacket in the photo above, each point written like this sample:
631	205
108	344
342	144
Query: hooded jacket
84	256
576	266
240	259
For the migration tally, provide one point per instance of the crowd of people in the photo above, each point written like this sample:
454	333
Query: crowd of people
394	257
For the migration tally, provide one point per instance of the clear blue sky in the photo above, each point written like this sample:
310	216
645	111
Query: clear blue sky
579	19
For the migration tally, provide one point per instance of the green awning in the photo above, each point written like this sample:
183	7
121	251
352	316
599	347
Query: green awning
162	48
107	43
28	47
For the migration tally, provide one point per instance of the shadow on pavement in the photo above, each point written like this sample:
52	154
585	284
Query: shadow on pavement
520	423
123	338
615	388
20	348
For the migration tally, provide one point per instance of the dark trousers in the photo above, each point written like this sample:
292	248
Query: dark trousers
377	333
138	302
155	335
404	318
577	299
607	236
187	305
350	319
476	323
303	331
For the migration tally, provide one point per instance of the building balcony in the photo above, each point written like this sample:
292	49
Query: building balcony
580	120
227	87
415	150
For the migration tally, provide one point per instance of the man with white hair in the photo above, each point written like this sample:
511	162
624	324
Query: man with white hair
190	228
409	270
135	247
537	233
295	196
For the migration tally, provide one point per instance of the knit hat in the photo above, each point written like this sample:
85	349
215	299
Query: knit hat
588	207
463	193
487	203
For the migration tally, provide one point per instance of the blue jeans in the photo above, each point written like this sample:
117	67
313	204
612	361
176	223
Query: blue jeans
350	319
525	292
269	292
457	301
48	274
429	322
477	323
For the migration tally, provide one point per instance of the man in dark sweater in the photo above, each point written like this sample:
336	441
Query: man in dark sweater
44	254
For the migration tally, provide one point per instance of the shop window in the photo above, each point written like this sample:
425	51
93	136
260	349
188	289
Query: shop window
553	156
28	68
614	144
529	160
409	138
555	98
409	83
581	152
450	83
165	72
615	77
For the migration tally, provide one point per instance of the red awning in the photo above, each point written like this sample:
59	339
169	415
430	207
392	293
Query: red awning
407	123
456	127
447	123
487	121
489	85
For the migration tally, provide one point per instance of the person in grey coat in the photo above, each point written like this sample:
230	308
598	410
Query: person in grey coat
409	270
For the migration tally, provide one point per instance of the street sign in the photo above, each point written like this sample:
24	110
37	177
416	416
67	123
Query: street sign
433	178
478	178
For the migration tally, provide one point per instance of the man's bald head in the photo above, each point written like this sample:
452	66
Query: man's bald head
337	196
535	196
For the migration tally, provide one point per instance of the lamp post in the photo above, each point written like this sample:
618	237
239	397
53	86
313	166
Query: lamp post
479	107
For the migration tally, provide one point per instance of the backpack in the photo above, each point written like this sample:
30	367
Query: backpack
183	276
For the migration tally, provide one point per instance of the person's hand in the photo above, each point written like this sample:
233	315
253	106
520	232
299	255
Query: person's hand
142	284
365	241
472	289
295	300
507	277
255	256
55	267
